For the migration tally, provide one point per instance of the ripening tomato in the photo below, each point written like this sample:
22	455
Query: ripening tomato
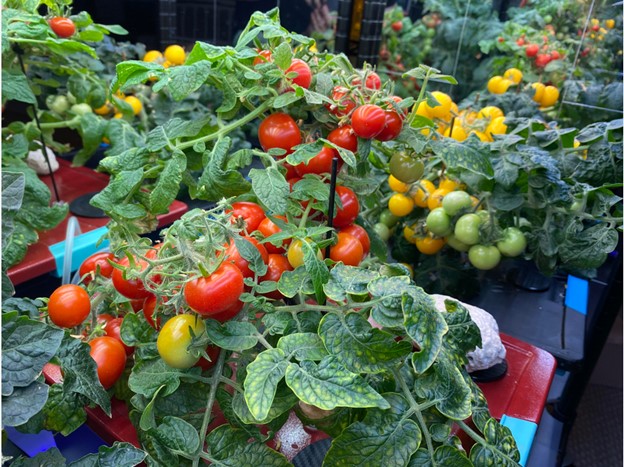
319	164
233	256
295	254
110	358
279	130
148	311
343	105
175	337
69	306
62	27
368	121
98	263
304	74
344	137
252	213
275	268
213	352
360	233
392	128
215	293
348	249
113	329
350	207
130	288
429	245
264	56
267	227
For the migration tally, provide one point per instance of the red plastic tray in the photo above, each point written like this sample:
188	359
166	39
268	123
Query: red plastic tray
72	182
521	393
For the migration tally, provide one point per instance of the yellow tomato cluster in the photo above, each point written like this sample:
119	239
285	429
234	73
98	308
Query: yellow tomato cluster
545	96
599	31
500	84
108	108
173	55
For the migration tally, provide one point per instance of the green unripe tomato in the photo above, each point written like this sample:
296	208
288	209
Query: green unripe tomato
382	231
455	201
438	222
59	104
386	217
484	257
548	19
175	337
81	109
455	244
405	168
513	242
467	229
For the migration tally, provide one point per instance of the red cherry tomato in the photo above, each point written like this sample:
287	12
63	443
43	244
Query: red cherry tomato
137	305
110	358
275	268
62	27
344	137
397	100
229	313
532	50
394	125
373	81
360	233
290	170
279	130
348	249
148	311
542	60
520	41
94	263
304	74
343	103
264	56
252	213
130	288
104	318
213	352
69	306
217	292
292	181
350	207
267	227
555	55
397	26
319	164
368	121
233	256
113	329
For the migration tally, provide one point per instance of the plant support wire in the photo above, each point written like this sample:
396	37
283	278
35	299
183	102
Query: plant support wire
459	44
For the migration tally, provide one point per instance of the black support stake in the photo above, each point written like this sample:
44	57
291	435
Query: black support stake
332	200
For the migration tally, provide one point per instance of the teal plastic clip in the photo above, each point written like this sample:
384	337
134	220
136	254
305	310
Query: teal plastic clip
84	245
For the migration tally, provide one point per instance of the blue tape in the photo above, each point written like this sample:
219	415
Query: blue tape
577	294
31	444
84	246
523	432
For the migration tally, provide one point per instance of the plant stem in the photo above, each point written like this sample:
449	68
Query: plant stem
218	370
304	218
263	341
228	128
63	124
479	439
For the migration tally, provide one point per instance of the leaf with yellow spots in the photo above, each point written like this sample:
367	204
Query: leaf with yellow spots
263	375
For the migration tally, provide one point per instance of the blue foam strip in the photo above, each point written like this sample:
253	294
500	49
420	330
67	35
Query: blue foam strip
523	432
577	294
29	443
84	246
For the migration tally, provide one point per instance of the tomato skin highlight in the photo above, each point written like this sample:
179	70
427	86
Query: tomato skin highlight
350	207
215	293
130	288
113	329
279	130
368	121
344	137
348	249
275	268
62	27
233	256
110	358
95	261
69	306
252	213
175	337
360	233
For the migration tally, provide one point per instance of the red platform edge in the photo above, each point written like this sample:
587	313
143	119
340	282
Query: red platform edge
521	393
72	182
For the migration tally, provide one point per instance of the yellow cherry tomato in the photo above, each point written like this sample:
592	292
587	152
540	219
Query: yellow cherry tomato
497	127
421	196
458	134
490	112
444	109
429	245
175	337
295	254
454	109
550	96
118	115
104	110
610	23
498	85
167	64
422	110
400	205
397	185
135	103
513	74
152	56
482	136
577	143
435	198
448	184
539	91
409	234
175	55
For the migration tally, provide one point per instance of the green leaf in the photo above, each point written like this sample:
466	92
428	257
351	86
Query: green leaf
27	345
118	189
286	99
443	455
500	449
587	248
329	385
311	188
263	375
425	326
384	437
283	322
302	346
471	155
64	410
149	375
284	401
168	184
232	335
177	435
91	130
118	455
216	182
24	306
135	331
52	457
23	403
316	268
13	186
271	188
251	254
350	280
80	372
293	282
389	312
304	152
183	80
231	448
463	334
282	55
15	87
360	347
